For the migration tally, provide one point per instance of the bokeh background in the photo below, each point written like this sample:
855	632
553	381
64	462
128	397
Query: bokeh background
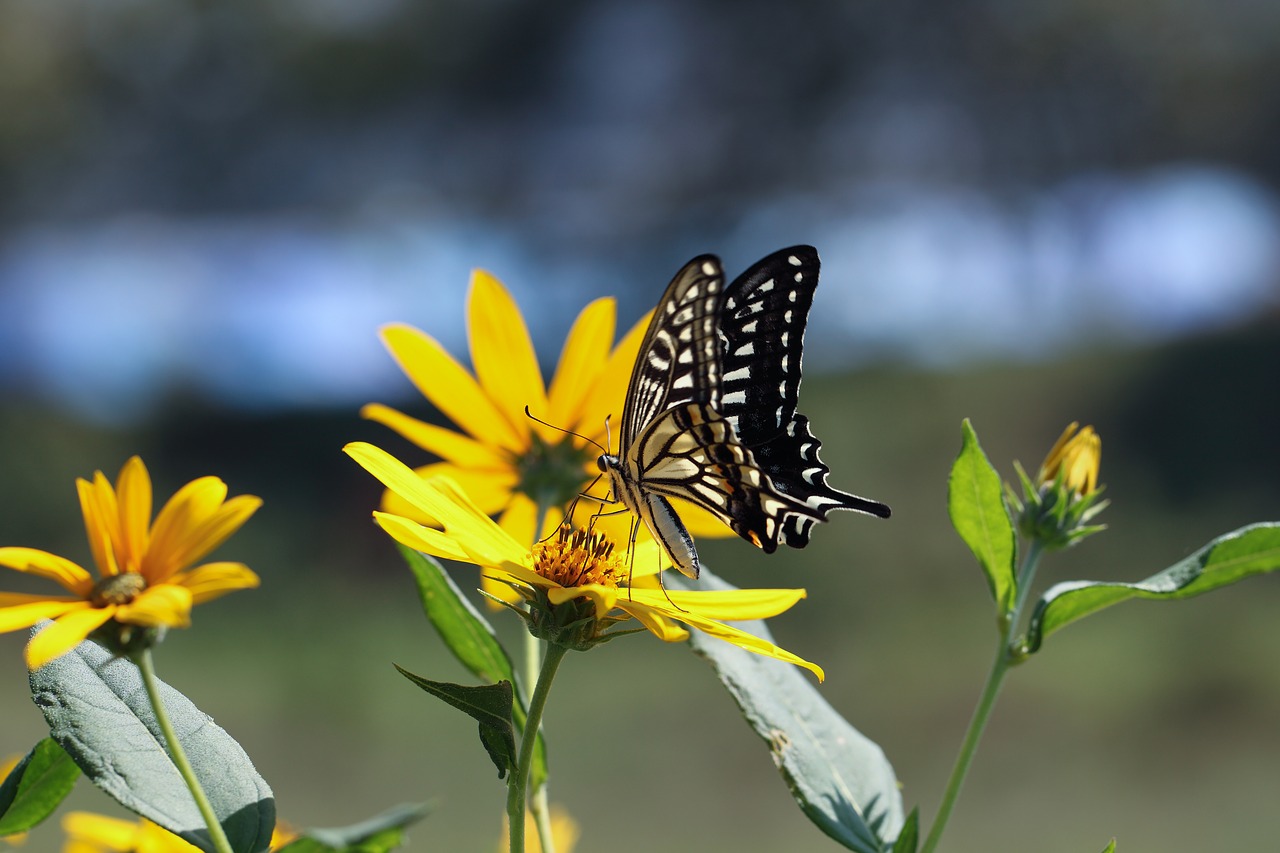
1029	213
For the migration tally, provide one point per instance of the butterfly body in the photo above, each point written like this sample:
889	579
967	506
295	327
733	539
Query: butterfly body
710	413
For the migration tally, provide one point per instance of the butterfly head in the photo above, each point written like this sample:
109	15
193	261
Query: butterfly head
606	462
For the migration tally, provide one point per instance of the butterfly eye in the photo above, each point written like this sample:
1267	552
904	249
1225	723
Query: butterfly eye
602	462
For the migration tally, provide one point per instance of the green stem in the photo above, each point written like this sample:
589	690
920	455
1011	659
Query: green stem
538	800
216	835
516	791
1005	656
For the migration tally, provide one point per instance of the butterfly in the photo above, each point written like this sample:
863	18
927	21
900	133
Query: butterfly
710	413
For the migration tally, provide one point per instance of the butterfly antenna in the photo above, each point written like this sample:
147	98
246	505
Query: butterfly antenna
532	417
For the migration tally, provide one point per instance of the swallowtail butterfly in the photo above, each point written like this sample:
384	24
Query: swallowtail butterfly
710	413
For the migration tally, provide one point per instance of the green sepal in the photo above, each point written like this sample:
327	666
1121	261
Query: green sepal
379	834
978	513
35	787
1110	848
841	779
909	838
1229	558
489	704
97	710
471	639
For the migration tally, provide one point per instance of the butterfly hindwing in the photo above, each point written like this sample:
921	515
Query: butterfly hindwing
690	452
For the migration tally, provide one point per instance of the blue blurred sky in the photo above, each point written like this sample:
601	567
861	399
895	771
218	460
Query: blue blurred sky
226	202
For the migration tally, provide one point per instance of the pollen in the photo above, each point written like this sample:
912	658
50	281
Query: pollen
118	589
576	557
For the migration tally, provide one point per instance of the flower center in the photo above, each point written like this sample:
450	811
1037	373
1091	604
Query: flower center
118	589
551	474
576	557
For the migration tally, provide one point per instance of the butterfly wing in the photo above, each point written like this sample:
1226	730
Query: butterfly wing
761	329
679	358
690	452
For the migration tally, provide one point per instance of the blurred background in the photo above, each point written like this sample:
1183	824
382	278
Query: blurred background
1029	213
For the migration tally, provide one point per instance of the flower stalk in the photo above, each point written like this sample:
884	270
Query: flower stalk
1008	653
516	793
219	838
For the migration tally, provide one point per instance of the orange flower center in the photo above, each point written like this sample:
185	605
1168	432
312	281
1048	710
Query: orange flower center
576	557
117	589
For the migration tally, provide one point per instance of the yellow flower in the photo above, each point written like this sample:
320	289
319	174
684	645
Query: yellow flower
564	833
94	833
6	767
506	462
143	566
573	568
1075	457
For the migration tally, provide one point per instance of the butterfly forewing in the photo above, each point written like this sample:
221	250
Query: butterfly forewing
679	359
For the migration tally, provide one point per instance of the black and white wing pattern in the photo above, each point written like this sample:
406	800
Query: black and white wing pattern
710	412
762	325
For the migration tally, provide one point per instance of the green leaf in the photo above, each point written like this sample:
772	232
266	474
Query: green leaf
97	710
35	787
840	778
471	639
976	502
488	704
377	835
909	839
1227	559
1110	848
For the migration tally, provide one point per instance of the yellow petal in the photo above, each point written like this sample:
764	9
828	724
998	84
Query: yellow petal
448	445
441	499
190	507
503	355
211	580
164	604
519	519
489	488
65	634
728	633
198	540
700	522
98	526
110	832
606	398
413	535
603	598
585	351
16	614
660	626
732	605
43	564
134	496
450	388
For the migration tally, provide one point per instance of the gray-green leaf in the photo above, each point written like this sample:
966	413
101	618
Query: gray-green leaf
1227	559
35	787
488	704
471	639
839	777
97	710
975	500
379	834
